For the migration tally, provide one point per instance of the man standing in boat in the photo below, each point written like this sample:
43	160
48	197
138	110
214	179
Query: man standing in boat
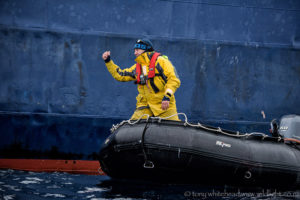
156	79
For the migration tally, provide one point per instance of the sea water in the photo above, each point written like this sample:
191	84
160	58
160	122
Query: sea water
34	186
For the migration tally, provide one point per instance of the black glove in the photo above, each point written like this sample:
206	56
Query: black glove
166	98
107	59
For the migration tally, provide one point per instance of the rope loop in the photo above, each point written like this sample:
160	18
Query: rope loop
187	123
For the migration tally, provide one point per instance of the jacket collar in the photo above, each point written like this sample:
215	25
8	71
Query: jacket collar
144	58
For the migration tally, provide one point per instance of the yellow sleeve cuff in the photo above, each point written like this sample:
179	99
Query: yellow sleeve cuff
169	92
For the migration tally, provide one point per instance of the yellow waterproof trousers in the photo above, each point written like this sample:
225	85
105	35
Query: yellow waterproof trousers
144	112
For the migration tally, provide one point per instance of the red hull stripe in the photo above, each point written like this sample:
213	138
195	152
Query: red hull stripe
39	165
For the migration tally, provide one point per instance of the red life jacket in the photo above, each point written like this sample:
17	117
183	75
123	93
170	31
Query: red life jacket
151	72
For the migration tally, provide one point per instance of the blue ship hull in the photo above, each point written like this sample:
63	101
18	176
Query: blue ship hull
239	64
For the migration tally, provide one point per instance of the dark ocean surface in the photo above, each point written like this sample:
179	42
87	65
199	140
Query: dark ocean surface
34	186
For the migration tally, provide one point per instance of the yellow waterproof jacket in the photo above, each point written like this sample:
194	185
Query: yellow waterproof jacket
165	82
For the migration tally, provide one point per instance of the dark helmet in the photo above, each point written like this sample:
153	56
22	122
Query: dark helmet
144	44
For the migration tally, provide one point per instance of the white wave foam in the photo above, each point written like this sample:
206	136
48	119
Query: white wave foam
54	195
1	183
34	179
91	197
105	199
9	197
29	182
92	189
68	183
53	187
11	187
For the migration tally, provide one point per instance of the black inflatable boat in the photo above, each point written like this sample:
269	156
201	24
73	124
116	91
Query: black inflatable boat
180	151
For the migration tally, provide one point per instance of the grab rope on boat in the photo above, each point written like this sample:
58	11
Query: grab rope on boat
198	125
